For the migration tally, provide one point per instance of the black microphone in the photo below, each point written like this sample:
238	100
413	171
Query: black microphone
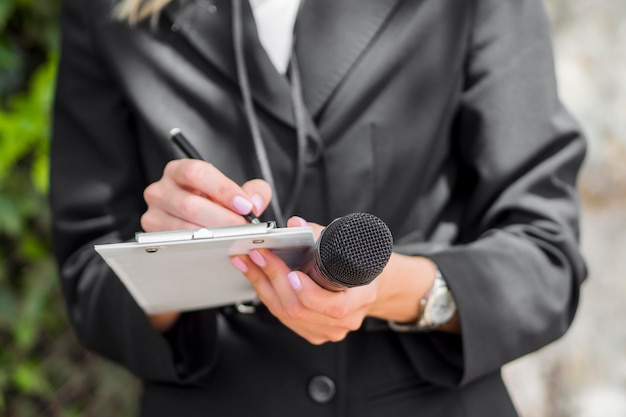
351	251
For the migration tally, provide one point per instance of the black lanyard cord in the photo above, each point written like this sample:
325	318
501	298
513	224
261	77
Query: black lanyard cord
244	83
300	114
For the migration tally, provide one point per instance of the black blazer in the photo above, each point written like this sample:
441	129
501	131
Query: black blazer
440	117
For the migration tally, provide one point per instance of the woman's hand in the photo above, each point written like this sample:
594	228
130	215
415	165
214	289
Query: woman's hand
316	314
193	194
319	315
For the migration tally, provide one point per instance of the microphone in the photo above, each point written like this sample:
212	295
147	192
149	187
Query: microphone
351	251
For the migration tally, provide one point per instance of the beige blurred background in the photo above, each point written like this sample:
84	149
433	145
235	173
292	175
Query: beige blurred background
584	373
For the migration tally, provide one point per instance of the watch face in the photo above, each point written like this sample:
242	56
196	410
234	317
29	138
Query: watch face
440	307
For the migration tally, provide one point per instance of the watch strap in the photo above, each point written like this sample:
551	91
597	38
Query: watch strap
421	324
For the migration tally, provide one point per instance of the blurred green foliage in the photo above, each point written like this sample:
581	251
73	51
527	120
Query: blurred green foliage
43	370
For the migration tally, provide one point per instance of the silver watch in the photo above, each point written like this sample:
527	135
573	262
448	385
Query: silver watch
436	309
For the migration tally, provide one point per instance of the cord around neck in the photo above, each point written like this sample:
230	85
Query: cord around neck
300	114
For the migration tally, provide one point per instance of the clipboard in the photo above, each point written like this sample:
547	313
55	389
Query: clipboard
187	270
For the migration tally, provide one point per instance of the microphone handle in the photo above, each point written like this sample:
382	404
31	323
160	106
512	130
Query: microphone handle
317	272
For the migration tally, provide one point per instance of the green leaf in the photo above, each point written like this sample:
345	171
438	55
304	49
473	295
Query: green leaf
40	171
32	248
8	313
33	308
29	378
9	60
25	127
6	8
72	412
10	216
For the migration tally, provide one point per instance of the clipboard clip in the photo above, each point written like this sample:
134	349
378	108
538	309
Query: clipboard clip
205	233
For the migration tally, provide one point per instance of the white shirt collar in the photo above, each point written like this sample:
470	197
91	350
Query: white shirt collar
275	20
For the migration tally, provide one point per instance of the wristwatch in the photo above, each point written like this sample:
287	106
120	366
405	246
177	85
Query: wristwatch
435	309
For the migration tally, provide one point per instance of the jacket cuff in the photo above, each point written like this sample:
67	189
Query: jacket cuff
192	343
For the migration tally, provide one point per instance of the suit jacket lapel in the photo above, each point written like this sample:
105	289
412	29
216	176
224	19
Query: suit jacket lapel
330	37
207	25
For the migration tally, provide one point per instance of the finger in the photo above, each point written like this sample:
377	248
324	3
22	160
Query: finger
261	283
277	273
290	289
313	328
317	334
310	325
167	199
205	178
345	309
260	194
286	288
155	220
296	221
300	297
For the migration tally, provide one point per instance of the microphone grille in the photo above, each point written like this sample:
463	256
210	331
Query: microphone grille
354	249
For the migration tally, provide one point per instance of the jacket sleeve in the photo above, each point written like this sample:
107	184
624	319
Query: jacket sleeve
96	196
516	270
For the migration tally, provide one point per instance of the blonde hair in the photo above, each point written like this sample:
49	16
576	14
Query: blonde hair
134	11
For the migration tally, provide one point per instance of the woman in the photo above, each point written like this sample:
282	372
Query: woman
439	117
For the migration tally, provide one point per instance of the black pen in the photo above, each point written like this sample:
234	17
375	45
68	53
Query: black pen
176	136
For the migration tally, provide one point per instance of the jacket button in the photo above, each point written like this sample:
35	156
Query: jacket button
321	389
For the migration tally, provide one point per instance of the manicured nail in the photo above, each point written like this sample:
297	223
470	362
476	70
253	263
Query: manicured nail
257	200
294	281
257	258
241	205
239	264
301	221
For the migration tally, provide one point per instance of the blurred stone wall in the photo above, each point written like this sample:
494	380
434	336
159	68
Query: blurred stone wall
584	373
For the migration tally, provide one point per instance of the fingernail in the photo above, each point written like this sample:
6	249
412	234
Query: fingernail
241	205
300	220
257	258
257	200
239	264
294	281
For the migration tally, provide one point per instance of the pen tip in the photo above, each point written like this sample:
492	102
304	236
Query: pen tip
252	218
174	131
